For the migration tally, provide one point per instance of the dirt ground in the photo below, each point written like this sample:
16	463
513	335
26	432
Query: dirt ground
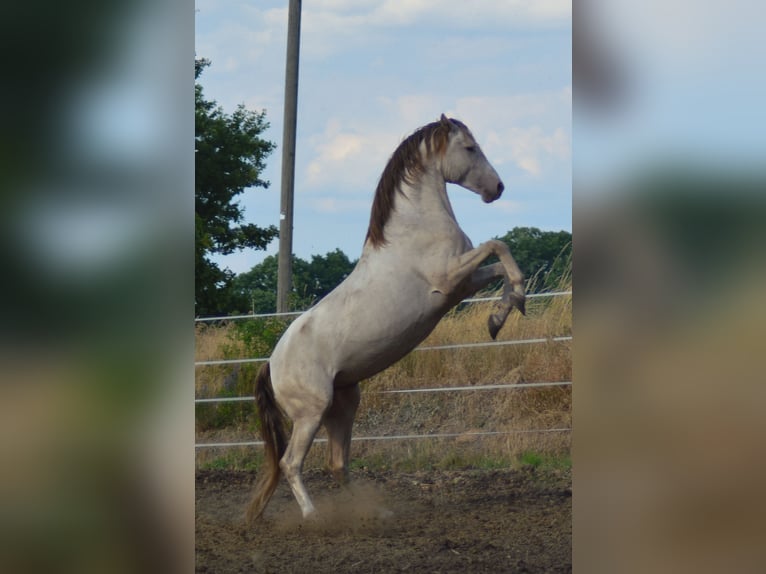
437	521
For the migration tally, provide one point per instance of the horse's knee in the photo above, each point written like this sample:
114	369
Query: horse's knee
290	468
286	469
498	246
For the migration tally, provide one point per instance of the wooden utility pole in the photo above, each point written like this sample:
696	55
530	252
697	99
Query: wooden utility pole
285	271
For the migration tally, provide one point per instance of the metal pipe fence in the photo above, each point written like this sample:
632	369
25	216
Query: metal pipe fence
495	387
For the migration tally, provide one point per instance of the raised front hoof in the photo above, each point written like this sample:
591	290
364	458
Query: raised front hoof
521	305
494	324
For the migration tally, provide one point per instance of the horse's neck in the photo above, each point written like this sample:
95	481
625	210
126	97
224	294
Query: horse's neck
422	217
426	200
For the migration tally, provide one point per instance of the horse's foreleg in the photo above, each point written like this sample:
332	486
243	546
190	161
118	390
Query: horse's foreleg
482	277
466	267
508	301
338	421
467	263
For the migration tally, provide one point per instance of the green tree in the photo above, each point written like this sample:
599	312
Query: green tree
543	256
323	274
258	287
311	281
229	158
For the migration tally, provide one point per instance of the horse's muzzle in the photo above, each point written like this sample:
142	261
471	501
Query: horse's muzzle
489	198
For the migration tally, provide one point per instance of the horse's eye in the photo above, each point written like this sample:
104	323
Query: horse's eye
470	148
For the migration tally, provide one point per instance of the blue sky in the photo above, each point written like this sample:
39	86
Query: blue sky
372	72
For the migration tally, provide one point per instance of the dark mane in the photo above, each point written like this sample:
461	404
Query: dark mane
406	164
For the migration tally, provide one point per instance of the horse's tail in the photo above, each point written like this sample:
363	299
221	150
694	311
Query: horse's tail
274	437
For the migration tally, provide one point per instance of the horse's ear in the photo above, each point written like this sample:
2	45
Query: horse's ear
447	123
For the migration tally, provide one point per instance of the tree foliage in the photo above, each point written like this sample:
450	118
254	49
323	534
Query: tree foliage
229	159
256	289
545	257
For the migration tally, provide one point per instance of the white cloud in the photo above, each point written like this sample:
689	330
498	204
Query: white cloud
234	43
484	112
529	148
529	130
491	13
414	110
328	24
332	154
348	159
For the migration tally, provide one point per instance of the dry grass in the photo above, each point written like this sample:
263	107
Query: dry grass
463	412
503	410
210	344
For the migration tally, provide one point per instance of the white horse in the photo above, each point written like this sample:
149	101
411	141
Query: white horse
416	265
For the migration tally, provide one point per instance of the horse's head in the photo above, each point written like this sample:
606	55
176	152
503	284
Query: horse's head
465	164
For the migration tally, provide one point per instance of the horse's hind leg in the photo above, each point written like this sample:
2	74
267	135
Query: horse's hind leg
306	420
338	421
304	430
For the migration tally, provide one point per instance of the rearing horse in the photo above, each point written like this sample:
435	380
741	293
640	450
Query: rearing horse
416	265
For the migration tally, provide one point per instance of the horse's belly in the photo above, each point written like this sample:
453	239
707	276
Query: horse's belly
370	351
356	332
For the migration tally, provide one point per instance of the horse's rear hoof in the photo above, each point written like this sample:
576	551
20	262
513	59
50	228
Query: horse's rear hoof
311	518
521	305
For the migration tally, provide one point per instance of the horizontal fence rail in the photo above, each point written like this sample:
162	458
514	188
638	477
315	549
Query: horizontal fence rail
432	348
425	390
410	436
295	313
250	316
394	437
498	386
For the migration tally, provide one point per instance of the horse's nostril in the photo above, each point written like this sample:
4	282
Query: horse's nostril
500	188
